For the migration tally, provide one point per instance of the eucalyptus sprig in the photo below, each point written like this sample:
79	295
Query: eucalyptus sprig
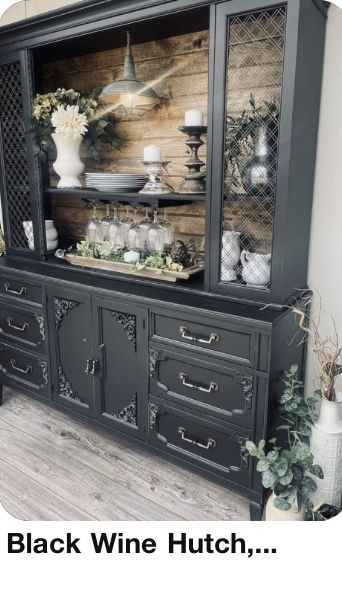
287	468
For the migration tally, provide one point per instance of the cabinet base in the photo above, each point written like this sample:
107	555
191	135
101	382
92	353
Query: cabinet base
255	511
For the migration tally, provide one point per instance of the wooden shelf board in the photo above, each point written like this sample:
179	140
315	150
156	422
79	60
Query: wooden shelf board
165	200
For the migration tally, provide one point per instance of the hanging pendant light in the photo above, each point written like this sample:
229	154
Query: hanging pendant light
129	96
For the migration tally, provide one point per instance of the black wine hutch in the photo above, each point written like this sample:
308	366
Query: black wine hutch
193	368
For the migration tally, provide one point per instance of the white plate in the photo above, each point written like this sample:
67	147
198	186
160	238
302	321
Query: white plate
113	174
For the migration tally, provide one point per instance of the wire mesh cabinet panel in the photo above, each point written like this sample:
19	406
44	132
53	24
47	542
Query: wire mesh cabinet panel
20	187
259	54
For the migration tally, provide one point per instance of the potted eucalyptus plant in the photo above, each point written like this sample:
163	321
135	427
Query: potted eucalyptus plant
287	467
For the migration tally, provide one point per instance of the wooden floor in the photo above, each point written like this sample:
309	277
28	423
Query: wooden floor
54	468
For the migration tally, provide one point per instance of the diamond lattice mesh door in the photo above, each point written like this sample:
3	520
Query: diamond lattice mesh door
254	85
14	155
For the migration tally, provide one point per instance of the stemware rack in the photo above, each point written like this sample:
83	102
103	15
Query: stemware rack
134	198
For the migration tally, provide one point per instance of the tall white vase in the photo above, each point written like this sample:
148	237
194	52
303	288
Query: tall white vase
68	164
326	447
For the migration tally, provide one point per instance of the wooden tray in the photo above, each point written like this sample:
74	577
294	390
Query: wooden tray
146	272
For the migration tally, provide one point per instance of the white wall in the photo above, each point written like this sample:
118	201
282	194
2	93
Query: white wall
325	269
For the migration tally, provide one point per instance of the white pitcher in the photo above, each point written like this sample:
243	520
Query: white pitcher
256	270
230	255
68	164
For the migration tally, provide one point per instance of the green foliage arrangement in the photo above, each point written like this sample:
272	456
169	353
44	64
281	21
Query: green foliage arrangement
101	125
156	260
239	143
288	470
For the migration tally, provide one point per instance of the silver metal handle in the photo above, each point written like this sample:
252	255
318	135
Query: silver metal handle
211	388
211	443
14	327
20	369
17	292
186	334
94	367
87	369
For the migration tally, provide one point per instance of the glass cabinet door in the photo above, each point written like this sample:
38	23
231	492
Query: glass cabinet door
250	67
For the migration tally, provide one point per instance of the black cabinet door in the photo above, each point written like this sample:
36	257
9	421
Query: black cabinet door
71	352
120	348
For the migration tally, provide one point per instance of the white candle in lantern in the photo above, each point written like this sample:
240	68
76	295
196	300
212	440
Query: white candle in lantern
194	118
152	154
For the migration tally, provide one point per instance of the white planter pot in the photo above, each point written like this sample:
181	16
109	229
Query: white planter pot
326	447
272	514
68	164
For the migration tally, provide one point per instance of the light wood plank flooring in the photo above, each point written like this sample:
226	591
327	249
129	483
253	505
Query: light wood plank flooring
55	468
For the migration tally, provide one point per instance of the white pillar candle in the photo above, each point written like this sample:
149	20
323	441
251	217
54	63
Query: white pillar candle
152	154
194	118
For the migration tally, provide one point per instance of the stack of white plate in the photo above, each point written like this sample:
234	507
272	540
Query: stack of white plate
115	182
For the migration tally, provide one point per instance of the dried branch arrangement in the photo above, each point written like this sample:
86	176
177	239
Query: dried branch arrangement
327	349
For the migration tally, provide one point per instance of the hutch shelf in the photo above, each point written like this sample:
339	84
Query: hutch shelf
191	369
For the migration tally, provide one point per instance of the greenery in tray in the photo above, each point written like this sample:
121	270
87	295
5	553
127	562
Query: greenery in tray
287	468
155	260
239	142
100	127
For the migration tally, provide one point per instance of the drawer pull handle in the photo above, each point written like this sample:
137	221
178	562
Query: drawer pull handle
211	388
12	291
94	367
186	334
14	327
211	443
25	371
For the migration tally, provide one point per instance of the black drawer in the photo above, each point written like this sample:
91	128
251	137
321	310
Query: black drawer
22	326
20	289
227	393
219	450
211	335
23	368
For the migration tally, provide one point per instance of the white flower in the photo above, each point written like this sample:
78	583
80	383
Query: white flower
69	122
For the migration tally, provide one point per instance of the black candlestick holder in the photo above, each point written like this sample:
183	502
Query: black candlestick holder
193	183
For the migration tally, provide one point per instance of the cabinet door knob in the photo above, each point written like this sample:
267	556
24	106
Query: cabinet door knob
186	334
212	387
211	443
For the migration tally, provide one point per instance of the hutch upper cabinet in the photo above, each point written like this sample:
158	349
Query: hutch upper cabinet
191	368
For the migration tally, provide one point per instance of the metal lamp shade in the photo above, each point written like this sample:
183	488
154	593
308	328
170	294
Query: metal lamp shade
128	93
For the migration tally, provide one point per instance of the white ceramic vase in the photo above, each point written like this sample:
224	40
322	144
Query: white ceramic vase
326	447
68	164
230	255
272	514
256	269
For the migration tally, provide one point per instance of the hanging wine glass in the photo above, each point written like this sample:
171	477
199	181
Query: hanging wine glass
135	235
93	231
105	223
126	223
145	224
169	229
116	231
155	236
